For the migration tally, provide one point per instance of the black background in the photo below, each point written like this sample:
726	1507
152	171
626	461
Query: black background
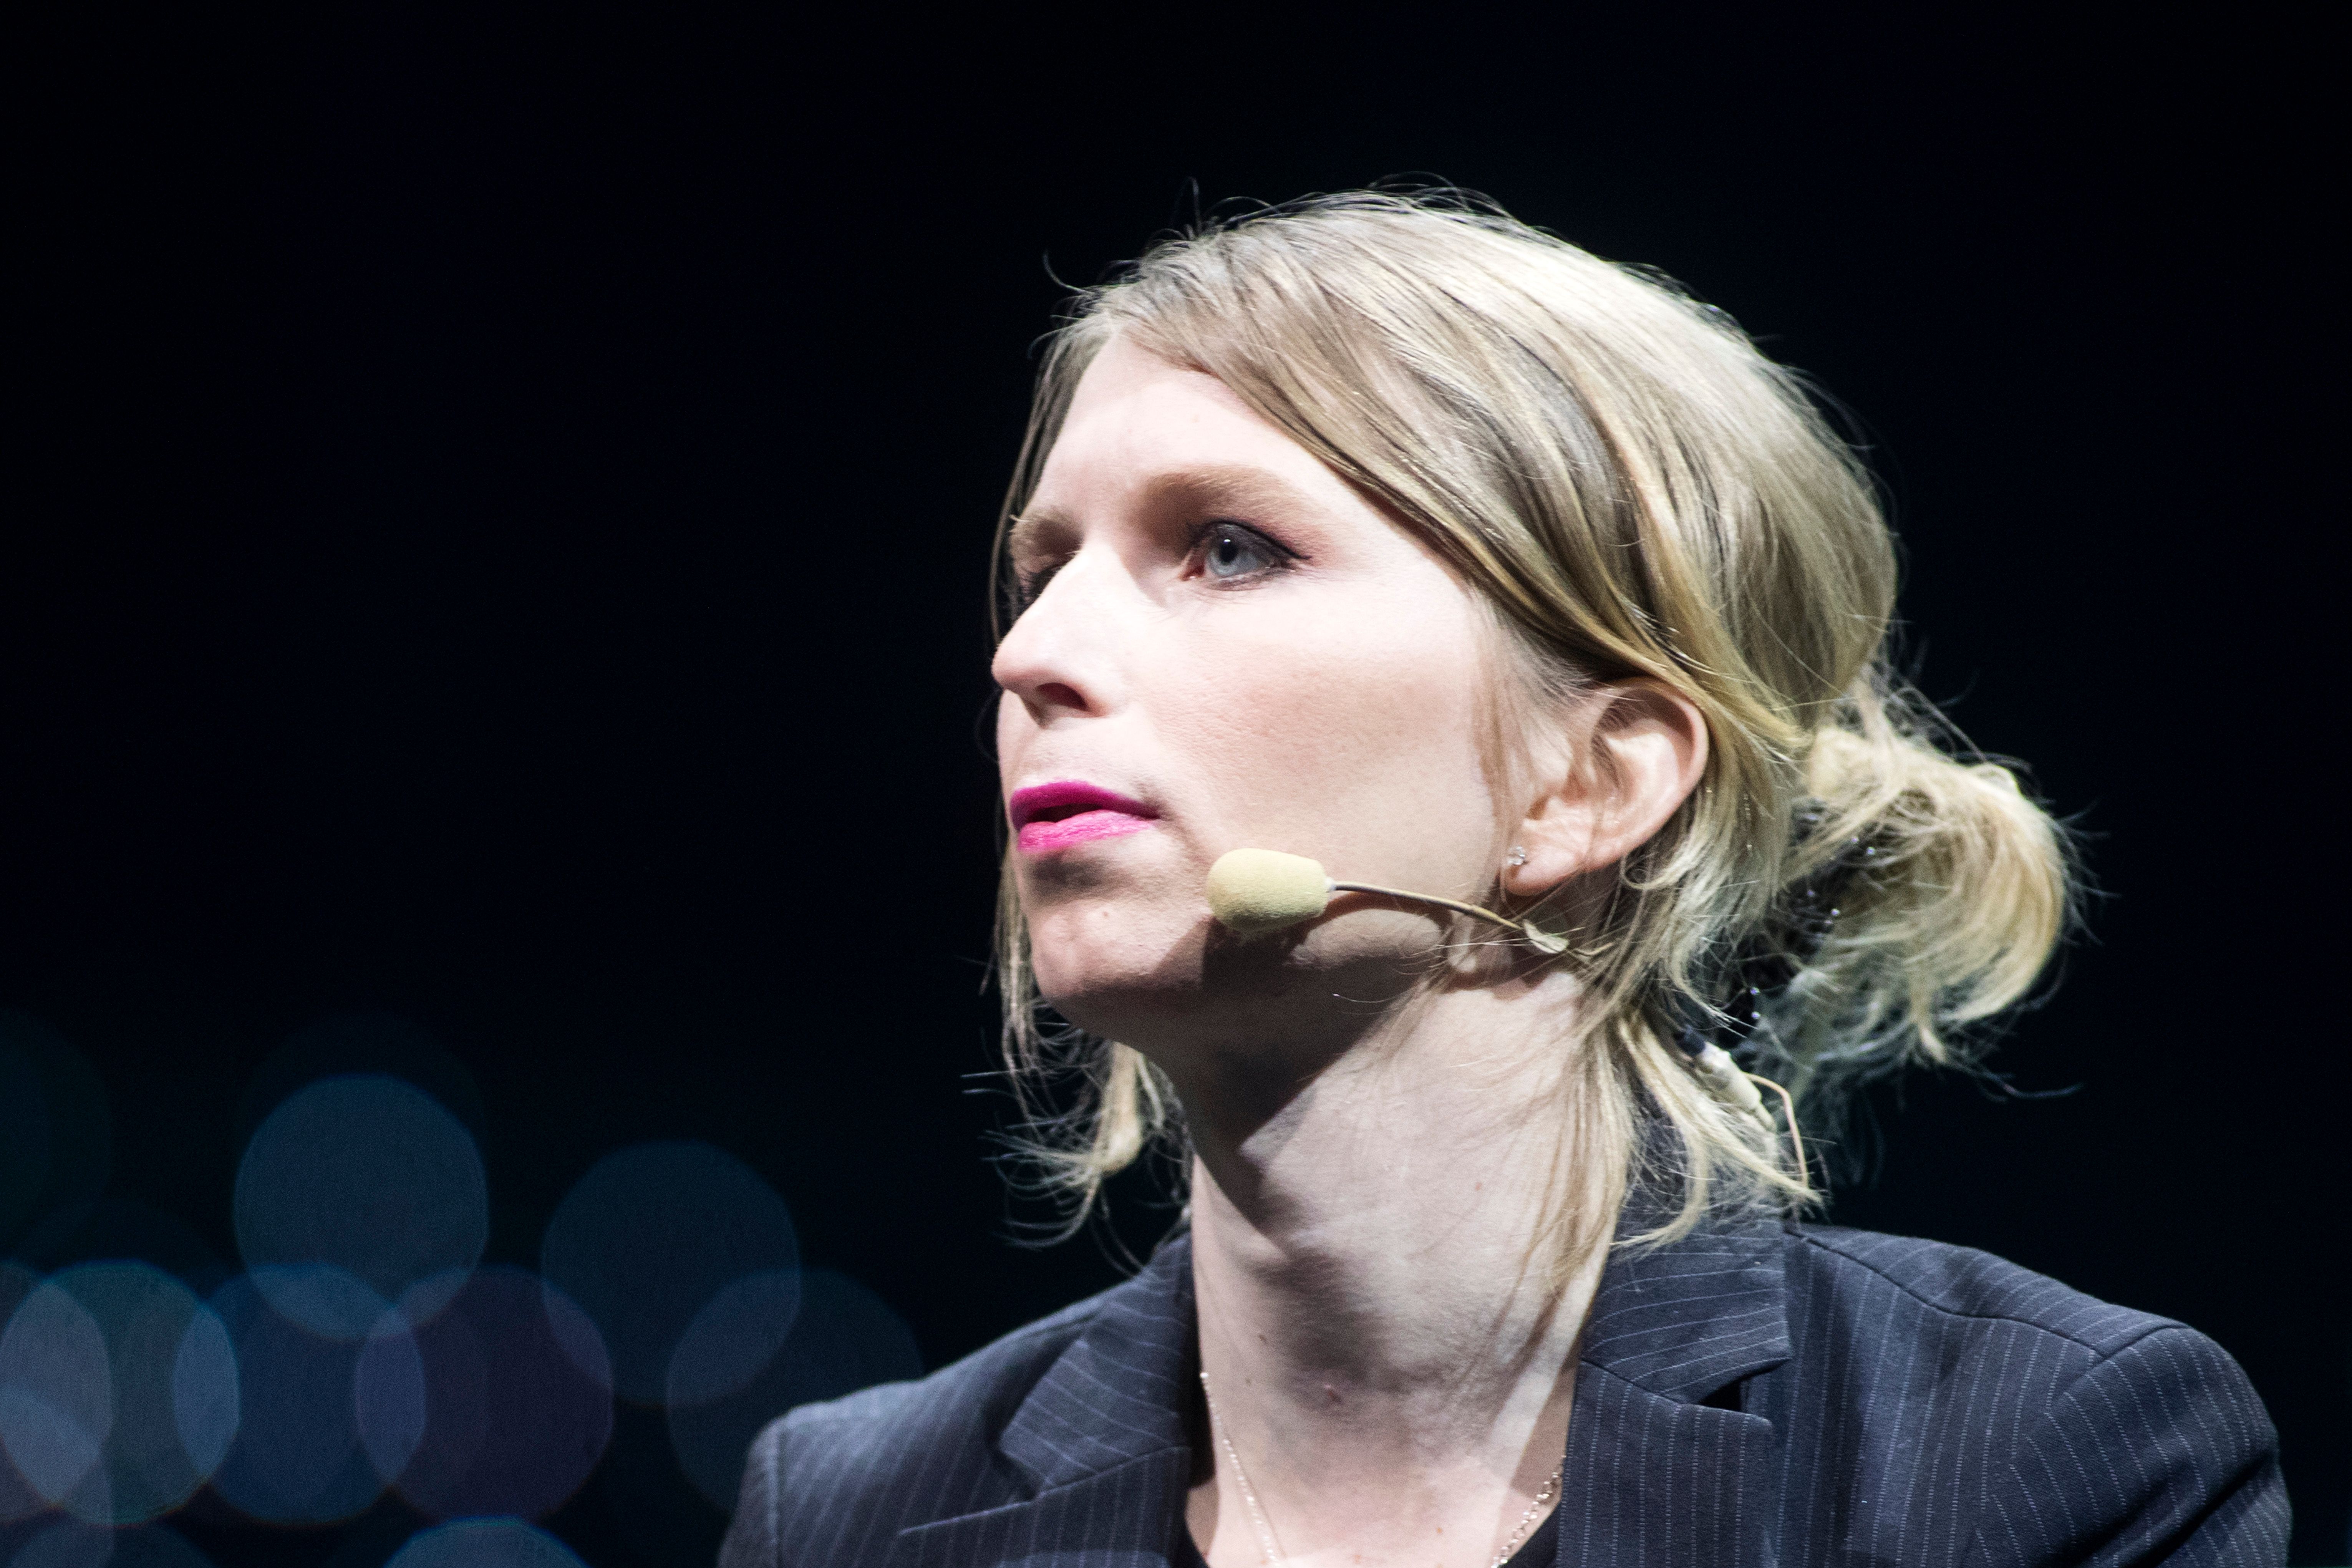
499	502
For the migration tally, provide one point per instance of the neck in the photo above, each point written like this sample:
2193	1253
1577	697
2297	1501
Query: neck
1386	1334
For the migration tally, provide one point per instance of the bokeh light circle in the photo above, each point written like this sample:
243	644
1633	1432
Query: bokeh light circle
388	1393
516	1400
371	1177
484	1543
734	1337
73	1543
67	1544
56	1393
649	1237
843	1338
169	1383
205	1392
18	1500
298	1456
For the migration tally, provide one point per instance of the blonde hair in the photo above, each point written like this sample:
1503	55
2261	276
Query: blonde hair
1638	491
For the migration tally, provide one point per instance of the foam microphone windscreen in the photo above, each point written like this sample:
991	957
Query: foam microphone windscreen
1253	892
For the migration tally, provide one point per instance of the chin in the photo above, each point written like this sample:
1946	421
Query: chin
1144	1011
1115	986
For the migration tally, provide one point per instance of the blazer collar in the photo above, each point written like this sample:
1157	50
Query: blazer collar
1118	1393
1101	1436
1658	1474
1687	1320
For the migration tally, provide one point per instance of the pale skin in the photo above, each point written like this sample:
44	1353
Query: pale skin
1225	630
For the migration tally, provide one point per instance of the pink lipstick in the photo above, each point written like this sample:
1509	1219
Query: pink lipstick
1050	816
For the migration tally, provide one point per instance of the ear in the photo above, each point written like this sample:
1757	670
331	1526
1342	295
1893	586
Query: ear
1631	755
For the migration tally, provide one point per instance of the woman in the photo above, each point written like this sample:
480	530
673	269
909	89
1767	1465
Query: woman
1401	537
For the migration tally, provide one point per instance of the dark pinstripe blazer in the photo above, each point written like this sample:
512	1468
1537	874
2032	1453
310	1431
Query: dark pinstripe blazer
1794	1395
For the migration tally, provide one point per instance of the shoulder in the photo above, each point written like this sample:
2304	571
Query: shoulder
2084	1431
1913	1281
834	1482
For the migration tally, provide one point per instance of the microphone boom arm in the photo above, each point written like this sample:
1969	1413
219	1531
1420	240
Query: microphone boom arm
1543	941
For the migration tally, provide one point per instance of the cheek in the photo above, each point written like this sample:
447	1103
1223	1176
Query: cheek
1354	736
1013	731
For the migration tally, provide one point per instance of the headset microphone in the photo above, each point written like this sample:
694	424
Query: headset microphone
1255	891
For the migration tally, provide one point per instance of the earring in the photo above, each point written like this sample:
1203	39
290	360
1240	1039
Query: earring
1518	854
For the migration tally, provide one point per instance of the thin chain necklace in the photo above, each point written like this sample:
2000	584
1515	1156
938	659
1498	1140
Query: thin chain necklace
1271	1549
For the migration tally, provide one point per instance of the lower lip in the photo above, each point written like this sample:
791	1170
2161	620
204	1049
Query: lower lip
1044	837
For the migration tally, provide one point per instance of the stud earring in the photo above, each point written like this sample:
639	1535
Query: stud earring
1518	854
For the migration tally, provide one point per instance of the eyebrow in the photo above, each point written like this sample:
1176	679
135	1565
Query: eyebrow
1021	536
1235	485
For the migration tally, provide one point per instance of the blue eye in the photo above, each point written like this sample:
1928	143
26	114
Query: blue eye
1229	551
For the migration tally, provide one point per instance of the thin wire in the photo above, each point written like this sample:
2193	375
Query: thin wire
1454	904
1790	1101
1544	941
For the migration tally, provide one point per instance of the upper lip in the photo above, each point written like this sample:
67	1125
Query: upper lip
1067	797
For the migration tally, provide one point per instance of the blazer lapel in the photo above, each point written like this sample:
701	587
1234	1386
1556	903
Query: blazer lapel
1102	1439
1124	1517
1653	1475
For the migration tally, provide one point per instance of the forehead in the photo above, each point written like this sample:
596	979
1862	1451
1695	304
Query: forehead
1140	427
1122	373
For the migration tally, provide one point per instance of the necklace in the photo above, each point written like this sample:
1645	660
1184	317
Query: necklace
1270	1550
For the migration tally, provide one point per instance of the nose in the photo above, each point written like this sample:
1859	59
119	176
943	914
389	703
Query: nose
1061	657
